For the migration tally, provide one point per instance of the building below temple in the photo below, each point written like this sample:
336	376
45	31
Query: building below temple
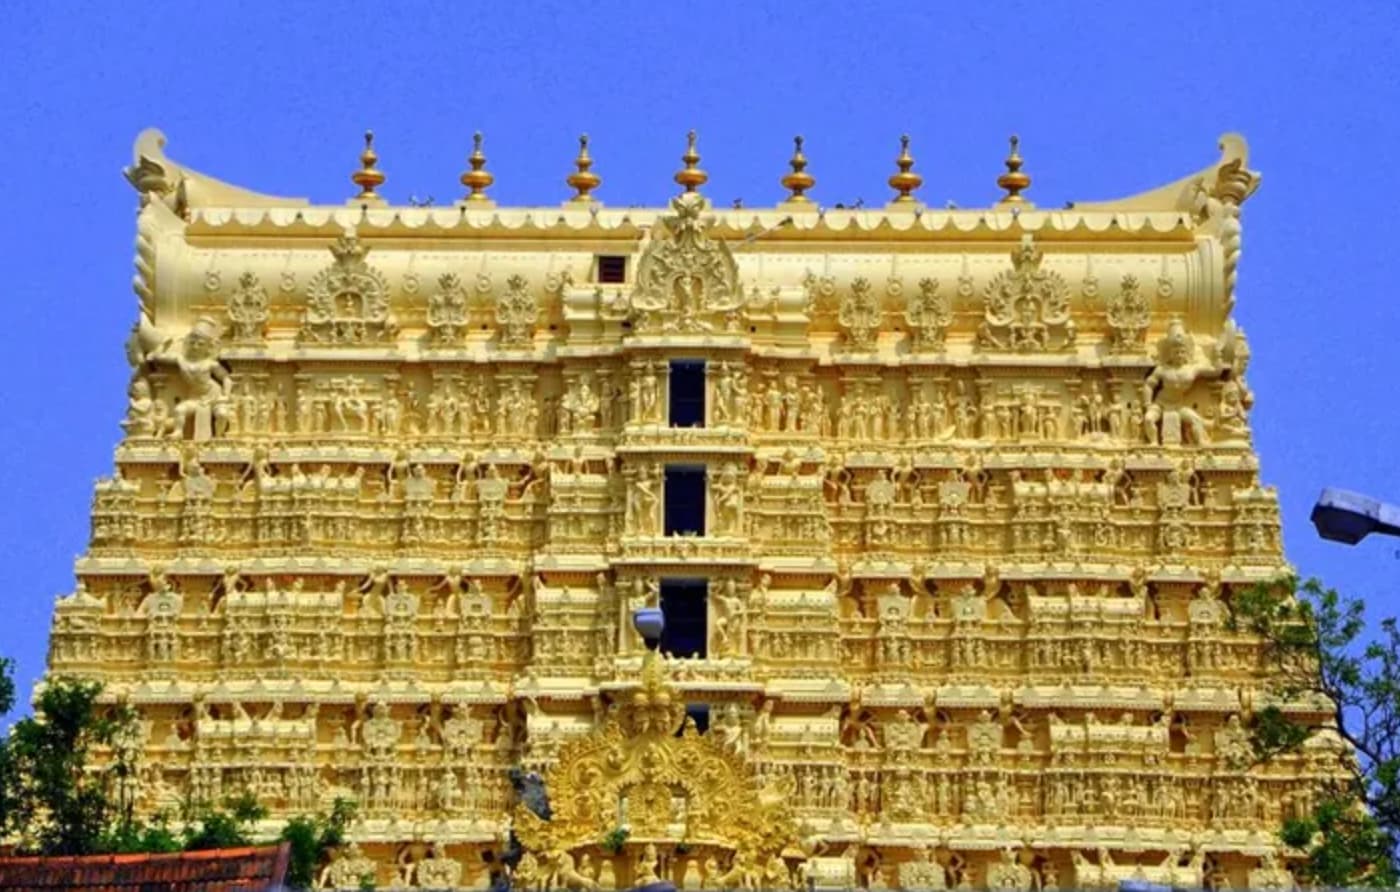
944	511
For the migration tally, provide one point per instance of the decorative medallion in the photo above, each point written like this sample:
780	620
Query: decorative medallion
685	279
347	303
516	313
929	314
649	771
859	315
1026	309
447	312
247	310
1128	315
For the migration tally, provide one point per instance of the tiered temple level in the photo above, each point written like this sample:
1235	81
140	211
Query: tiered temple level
945	510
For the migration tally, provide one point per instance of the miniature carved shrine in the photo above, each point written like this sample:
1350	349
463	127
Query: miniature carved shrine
944	511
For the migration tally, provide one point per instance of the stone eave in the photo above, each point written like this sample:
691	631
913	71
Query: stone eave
773	226
215	210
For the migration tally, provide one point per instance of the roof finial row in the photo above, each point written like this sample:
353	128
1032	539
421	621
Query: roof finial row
368	177
906	181
1014	181
477	179
799	181
690	177
584	180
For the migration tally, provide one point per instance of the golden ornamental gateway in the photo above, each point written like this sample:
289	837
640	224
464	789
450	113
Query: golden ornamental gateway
943	511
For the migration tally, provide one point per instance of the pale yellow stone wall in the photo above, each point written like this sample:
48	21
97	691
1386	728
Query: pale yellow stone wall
980	489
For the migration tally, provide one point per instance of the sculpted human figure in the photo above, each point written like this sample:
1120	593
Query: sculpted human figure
206	386
729	618
1170	419
642	500
451	584
374	588
729	500
145	415
647	862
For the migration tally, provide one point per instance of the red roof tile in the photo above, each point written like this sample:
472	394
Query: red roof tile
252	869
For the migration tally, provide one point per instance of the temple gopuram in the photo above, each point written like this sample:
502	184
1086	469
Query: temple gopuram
943	510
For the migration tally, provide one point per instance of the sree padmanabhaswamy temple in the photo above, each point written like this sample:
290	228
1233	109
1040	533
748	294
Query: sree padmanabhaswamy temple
942	512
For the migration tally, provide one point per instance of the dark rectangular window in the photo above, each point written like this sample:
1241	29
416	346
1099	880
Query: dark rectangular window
683	604
685	500
612	269
700	712
687	393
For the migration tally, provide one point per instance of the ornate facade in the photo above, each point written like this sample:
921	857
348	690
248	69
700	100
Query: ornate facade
945	509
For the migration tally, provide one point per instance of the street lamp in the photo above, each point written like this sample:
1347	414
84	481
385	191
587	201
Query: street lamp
1349	517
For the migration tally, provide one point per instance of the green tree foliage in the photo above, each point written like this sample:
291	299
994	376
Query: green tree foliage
226	827
312	840
155	835
49	799
1314	652
7	685
54	804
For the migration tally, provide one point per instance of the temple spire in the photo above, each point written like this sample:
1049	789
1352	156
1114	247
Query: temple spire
1014	181
583	180
368	177
905	181
691	177
477	179
799	180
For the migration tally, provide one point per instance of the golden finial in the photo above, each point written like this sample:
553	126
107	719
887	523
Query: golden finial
799	181
691	176
367	177
1014	181
477	179
906	181
583	180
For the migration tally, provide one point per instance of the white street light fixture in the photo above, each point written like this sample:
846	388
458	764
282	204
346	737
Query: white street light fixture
1349	517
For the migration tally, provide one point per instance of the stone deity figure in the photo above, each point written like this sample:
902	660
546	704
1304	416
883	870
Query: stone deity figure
729	500
642	500
729	619
205	385
1170	418
647	863
1231	423
145	415
374	588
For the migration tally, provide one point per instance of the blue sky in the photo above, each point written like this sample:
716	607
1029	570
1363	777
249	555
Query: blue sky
1109	99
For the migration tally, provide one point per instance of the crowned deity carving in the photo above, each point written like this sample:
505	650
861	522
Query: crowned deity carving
643	499
730	403
1171	419
436	870
347	870
686	281
928	314
578	410
247	309
1128	314
1026	309
447	312
202	400
347	303
728	498
380	733
146	416
860	315
517	311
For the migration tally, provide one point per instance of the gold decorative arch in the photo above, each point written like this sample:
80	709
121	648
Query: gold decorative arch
649	770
